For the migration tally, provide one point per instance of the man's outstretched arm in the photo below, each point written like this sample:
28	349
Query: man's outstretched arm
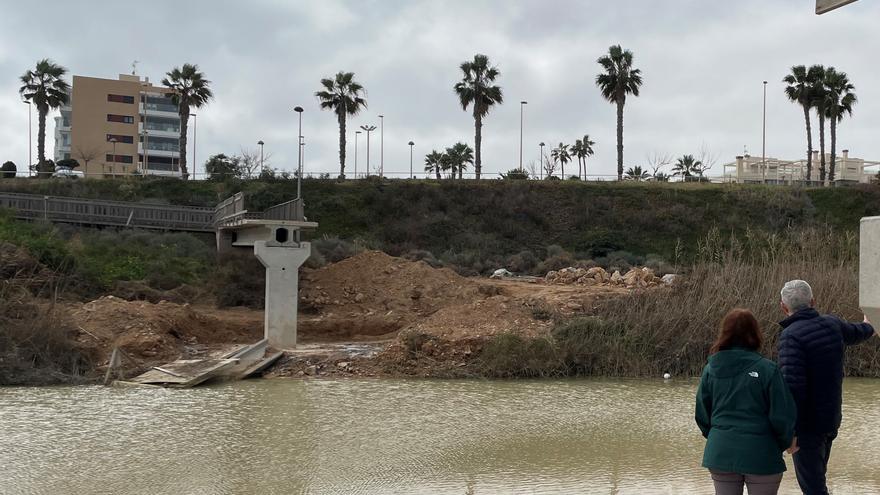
856	333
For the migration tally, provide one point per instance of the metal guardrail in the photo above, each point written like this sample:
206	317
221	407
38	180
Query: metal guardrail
111	213
230	211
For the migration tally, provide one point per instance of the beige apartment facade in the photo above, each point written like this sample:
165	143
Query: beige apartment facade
118	127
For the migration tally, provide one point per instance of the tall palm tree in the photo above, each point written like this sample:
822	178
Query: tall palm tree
839	100
561	155
637	174
344	96
477	90
619	80
191	90
686	166
817	91
800	90
45	88
434	162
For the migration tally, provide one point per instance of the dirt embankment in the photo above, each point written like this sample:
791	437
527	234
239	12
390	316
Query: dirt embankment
396	307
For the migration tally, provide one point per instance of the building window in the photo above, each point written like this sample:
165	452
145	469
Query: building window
125	119
120	159
120	138
120	98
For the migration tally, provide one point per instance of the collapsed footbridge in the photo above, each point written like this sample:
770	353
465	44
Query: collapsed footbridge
274	235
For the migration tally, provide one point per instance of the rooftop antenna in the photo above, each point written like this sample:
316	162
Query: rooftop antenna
134	67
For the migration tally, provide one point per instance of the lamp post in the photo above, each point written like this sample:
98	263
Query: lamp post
195	123
299	153
522	105
411	144
261	143
381	146
764	140
541	162
30	140
356	135
368	129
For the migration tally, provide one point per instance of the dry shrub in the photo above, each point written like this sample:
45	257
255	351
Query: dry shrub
37	345
651	332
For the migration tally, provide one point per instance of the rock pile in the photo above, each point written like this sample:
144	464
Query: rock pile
635	278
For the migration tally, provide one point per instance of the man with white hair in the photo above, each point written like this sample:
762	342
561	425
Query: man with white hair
811	354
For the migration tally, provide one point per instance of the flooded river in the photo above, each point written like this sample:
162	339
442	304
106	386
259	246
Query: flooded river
384	437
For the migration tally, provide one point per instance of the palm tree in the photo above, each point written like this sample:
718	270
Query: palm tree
191	90
817	90
839	100
45	88
561	155
460	154
637	174
685	167
434	162
800	90
587	151
477	90
345	97
618	80
576	150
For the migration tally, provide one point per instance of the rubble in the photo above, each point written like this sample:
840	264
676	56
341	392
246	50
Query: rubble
635	278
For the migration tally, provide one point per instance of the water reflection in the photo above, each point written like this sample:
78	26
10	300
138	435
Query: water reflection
382	437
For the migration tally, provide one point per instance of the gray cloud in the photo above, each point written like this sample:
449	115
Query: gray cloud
703	64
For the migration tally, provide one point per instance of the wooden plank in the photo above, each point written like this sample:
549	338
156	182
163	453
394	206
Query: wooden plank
185	373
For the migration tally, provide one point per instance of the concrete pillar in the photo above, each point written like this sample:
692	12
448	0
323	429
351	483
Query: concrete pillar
282	262
869	269
739	169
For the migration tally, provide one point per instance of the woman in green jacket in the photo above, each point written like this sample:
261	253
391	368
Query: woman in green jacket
745	411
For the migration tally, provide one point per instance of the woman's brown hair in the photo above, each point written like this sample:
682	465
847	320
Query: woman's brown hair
738	329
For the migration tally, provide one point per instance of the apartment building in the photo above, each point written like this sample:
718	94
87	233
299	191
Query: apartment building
753	170
119	127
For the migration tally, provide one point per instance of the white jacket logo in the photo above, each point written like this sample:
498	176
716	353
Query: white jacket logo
753	374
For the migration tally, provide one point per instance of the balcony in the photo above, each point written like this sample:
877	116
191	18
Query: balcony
159	110
159	150
160	129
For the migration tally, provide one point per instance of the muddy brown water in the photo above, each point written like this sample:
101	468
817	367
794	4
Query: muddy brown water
384	437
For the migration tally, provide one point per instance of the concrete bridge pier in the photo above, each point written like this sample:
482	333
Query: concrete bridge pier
869	269
282	262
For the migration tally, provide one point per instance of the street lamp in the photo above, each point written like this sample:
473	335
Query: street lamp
30	140
522	105
368	129
381	146
764	140
195	129
299	153
356	135
411	144
261	143
541	162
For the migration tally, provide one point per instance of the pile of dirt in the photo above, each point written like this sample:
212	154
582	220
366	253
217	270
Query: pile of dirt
374	294
155	332
484	318
634	278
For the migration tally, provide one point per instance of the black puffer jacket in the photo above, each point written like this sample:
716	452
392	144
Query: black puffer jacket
811	353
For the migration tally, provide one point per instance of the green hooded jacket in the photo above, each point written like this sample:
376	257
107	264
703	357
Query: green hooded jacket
746	413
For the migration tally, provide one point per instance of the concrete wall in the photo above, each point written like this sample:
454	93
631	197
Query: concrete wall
869	269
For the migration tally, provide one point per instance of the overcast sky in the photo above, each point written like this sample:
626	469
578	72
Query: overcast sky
703	64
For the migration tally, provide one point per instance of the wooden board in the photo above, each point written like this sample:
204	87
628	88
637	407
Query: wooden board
185	373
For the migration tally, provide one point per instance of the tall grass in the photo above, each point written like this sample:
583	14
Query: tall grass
37	345
648	333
